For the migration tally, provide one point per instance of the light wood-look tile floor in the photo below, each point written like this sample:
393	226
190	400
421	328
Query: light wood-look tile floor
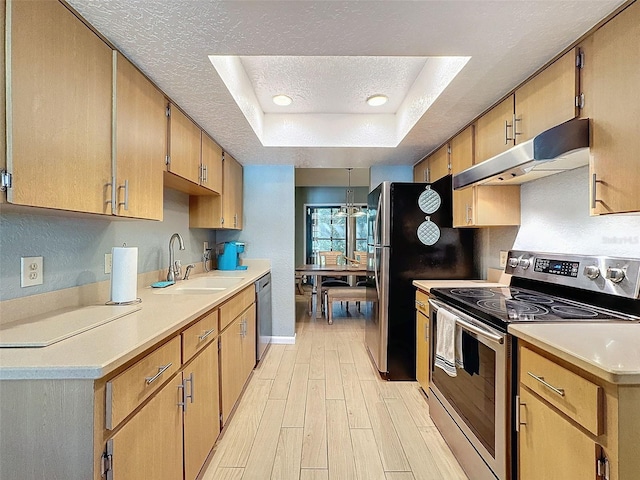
317	410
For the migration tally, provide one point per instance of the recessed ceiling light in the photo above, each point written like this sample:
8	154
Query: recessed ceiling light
377	100
282	100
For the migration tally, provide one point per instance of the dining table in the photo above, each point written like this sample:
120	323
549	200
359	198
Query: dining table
318	271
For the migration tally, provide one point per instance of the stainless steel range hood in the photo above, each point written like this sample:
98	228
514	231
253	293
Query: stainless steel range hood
560	148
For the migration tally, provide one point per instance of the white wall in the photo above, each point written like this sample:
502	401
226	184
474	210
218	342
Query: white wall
555	218
269	233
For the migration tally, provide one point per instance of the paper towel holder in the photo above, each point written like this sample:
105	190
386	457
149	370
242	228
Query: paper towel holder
131	302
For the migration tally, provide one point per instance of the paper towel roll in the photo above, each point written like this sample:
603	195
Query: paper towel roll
124	274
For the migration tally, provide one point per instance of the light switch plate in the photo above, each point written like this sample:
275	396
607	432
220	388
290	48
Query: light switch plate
503	258
31	271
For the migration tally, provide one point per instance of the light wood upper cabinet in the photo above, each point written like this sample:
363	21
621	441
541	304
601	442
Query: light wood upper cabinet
610	83
184	146
220	211
211	170
434	167
140	143
480	206
149	445
59	125
494	130
548	99
202	414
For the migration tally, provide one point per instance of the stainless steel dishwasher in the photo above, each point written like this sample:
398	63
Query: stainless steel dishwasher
263	304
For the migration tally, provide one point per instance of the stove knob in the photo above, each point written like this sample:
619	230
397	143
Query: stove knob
592	272
513	262
524	263
616	275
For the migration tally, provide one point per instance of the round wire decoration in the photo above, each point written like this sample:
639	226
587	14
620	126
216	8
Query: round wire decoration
428	232
429	201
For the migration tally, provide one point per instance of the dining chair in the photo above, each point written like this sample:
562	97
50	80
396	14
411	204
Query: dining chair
331	257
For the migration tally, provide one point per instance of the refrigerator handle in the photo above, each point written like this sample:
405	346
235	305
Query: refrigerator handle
375	270
376	240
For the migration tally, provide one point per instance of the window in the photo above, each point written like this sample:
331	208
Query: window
326	231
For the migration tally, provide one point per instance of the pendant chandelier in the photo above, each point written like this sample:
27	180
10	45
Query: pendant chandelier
349	209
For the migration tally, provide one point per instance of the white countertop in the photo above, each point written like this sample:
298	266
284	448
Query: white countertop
427	285
96	352
610	351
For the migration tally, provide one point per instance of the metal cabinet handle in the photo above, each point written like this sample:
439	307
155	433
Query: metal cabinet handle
468	213
515	123
206	334
426	327
559	391
235	219
518	422
420	304
594	184
191	383
126	194
206	174
109	200
506	132
161	370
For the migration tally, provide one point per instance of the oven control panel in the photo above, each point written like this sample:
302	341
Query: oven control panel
611	275
557	267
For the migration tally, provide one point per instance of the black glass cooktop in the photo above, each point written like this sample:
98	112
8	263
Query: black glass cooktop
510	305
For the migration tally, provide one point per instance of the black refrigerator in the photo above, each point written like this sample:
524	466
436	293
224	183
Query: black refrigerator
410	237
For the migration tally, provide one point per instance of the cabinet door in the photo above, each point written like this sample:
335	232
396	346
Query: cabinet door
422	352
211	171
150	444
549	446
202	415
548	99
420	171
438	164
463	207
494	130
141	143
231	367
610	85
232	193
184	146
249	341
59	122
485	206
462	151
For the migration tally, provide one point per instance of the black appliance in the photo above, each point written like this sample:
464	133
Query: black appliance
410	237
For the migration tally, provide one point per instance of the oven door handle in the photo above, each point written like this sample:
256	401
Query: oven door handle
460	320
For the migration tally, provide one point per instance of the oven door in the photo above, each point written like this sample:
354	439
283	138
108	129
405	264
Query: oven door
476	398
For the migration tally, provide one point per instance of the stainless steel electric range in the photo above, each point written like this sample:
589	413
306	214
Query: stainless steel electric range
473	409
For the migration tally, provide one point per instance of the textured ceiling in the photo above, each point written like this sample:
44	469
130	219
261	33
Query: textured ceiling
171	41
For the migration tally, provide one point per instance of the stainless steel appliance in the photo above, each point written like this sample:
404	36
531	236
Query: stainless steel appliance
263	315
409	237
473	410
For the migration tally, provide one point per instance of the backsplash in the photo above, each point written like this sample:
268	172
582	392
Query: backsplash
555	218
73	247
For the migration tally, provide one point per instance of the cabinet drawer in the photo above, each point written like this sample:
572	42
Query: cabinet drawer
128	390
422	302
199	334
573	395
236	305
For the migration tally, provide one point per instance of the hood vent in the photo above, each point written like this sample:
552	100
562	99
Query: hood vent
560	148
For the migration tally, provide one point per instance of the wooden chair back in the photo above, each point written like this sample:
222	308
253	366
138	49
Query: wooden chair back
361	257
330	257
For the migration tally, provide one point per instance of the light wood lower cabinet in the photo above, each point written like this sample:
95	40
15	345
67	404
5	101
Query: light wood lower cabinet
150	444
237	358
422	339
202	412
550	447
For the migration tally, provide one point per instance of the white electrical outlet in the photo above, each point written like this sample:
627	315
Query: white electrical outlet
503	258
31	271
107	263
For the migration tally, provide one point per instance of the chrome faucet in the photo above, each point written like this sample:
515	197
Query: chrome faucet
174	269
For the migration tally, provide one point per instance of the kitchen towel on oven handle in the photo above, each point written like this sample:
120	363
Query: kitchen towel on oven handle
448	343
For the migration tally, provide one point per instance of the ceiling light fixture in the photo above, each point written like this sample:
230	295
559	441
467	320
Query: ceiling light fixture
349	209
377	100
282	100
